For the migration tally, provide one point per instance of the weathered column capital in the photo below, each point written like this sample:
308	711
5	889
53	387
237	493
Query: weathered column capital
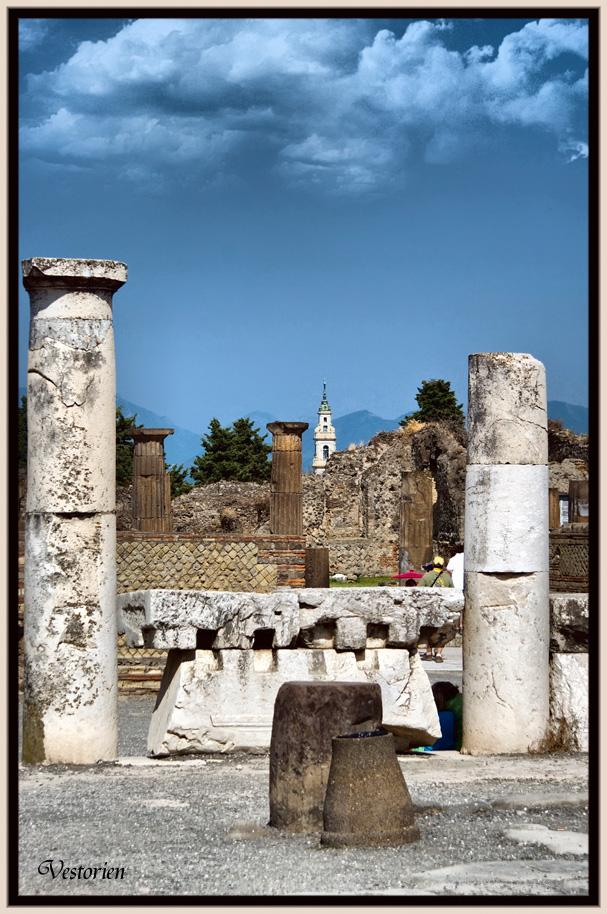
53	272
286	436
148	434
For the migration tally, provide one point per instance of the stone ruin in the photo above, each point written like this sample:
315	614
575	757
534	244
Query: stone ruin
70	679
371	507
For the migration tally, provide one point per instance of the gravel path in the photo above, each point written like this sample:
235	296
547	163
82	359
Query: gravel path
198	826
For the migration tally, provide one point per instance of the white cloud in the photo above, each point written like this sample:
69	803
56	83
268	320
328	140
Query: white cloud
574	150
32	33
317	101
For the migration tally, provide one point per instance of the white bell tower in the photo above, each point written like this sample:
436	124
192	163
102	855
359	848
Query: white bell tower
324	435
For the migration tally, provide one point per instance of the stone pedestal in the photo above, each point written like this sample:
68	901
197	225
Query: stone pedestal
231	652
70	672
367	803
507	617
151	483
286	485
317	566
223	700
307	715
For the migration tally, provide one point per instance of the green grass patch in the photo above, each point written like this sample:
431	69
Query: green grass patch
361	582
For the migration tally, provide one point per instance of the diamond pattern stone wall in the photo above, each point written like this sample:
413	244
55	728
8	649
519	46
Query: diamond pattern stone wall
569	562
255	564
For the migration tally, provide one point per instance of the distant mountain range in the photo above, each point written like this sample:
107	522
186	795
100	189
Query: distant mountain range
354	428
181	447
574	418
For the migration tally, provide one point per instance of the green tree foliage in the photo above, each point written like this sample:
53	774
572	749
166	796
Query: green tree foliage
437	402
236	452
251	451
22	434
124	447
179	483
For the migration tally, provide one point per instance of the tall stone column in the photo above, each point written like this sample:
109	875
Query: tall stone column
70	641
286	486
507	624
151	501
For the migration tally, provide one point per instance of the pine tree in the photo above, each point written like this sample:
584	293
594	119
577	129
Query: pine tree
437	402
237	452
251	452
124	447
179	484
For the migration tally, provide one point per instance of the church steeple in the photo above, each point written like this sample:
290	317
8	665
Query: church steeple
324	434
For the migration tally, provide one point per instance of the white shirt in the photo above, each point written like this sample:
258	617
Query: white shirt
456	567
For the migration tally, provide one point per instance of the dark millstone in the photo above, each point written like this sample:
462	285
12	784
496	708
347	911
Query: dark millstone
367	803
307	715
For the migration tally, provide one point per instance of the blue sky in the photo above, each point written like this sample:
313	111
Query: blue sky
363	200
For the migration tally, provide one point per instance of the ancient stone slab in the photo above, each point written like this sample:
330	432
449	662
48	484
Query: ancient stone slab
505	662
569	700
559	842
350	634
171	618
306	717
223	701
507	414
569	619
168	619
400	612
412	715
507	519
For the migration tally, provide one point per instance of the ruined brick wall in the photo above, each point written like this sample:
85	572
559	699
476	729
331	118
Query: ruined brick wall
569	559
175	561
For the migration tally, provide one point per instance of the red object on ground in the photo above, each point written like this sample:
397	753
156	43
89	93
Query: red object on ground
409	574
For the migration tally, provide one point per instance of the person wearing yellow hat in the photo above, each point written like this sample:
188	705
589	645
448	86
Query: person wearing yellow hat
437	577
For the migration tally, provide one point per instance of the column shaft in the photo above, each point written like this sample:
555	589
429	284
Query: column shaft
506	631
70	639
286	486
151	496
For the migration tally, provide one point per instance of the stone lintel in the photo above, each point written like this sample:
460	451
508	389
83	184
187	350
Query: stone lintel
60	272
